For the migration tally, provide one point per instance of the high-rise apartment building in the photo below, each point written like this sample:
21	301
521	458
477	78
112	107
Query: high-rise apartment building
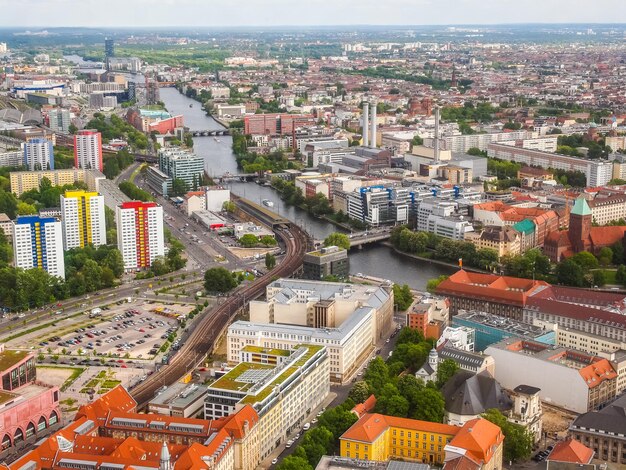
38	154
88	150
140	236
83	219
38	243
59	120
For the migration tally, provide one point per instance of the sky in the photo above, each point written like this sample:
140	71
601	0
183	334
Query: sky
94	13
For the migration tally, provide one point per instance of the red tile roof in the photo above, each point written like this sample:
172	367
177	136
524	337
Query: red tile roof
480	438
371	425
570	450
365	407
596	373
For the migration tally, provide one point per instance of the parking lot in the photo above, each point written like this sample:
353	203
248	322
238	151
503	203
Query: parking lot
135	333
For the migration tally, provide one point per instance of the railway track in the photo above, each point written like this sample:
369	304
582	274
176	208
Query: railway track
202	338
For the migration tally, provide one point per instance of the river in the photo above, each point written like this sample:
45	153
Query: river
375	260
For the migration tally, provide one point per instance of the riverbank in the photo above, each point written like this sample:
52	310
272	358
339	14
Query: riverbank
433	261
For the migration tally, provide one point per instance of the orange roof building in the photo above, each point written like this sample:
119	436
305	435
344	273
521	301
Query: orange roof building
571	451
109	433
499	295
378	437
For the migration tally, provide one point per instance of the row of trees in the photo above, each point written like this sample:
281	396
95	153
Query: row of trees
172	261
115	164
134	192
444	249
250	240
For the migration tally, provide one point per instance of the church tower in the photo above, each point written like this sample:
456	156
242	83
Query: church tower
165	462
580	219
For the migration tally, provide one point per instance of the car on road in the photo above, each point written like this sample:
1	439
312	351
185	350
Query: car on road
289	444
274	461
306	426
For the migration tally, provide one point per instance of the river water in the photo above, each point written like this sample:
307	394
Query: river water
375	260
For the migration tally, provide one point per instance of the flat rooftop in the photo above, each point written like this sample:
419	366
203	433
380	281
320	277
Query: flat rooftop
508	325
10	357
179	395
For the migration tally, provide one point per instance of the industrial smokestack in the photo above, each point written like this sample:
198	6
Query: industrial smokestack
436	146
366	118
373	130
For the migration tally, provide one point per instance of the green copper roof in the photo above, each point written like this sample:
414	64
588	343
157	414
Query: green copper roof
581	207
526	226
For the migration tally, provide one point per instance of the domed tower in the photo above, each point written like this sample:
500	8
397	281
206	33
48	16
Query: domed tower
433	359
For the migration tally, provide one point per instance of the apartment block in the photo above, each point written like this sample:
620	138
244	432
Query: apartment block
83	219
38	243
23	181
88	150
38	154
140	236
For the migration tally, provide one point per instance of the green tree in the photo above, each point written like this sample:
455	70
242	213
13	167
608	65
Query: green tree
270	260
340	240
585	260
293	462
518	442
431	285
337	420
24	208
219	279
267	240
430	406
605	256
620	274
445	370
598	278
402	296
179	187
249	240
377	374
360	391
570	273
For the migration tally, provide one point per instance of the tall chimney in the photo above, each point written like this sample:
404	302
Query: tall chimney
373	130
366	118
436	141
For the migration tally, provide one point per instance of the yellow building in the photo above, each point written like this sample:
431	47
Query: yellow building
503	240
83	219
22	181
381	438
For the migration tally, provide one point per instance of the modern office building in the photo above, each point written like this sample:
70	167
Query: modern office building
283	386
88	150
183	165
59	120
328	261
38	154
29	409
82	214
140	236
319	304
180	399
38	243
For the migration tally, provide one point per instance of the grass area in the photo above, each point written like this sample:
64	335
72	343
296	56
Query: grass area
11	357
76	372
134	174
261	350
230	382
609	276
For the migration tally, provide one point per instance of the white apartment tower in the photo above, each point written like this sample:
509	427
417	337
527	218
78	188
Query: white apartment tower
88	150
140	236
38	243
83	219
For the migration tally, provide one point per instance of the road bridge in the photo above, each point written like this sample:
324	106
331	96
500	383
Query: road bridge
359	239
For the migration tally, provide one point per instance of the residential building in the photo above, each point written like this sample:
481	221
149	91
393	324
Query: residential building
140	236
606	208
468	395
381	438
88	150
598	172
180	399
591	380
603	431
328	261
490	329
283	387
23	181
276	124
503	240
462	143
29	409
83	219
38	154
59	120
499	295
183	165
110	433
14	158
318	304
38	243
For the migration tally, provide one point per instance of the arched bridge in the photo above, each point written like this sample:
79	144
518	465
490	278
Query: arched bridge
209	132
